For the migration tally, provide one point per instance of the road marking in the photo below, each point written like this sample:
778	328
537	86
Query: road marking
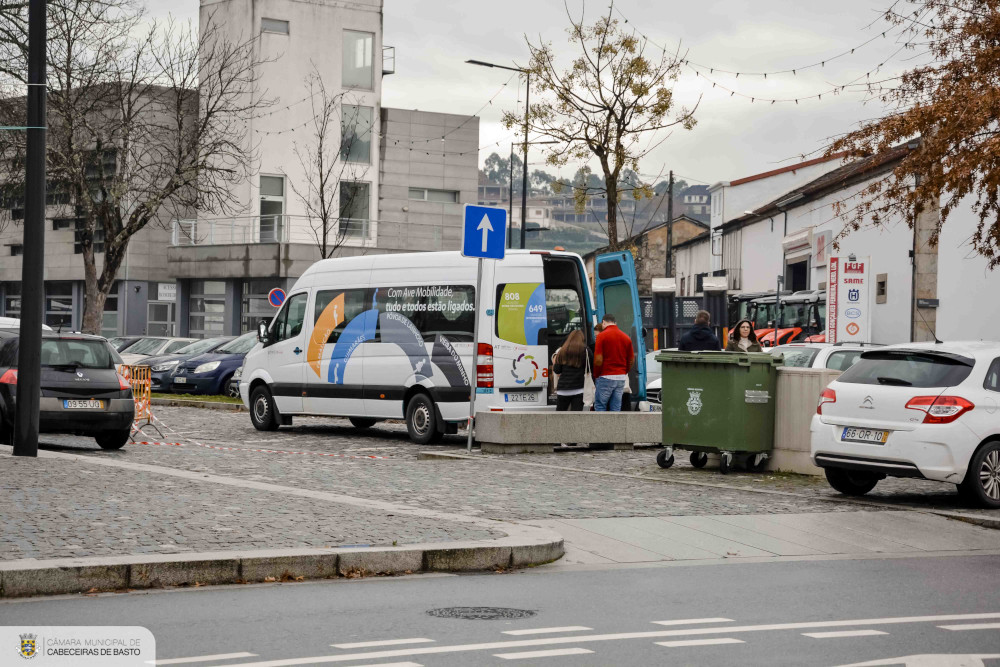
972	626
385	642
577	639
843	633
391	664
201	658
701	642
694	621
542	654
542	631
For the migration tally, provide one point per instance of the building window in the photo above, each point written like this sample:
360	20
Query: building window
358	48
254	306
97	240
207	308
109	318
16	250
354	207
276	26
63	223
272	208
59	304
882	288
356	134
426	194
12	300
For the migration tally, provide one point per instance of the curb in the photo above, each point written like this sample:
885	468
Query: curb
984	521
208	405
24	578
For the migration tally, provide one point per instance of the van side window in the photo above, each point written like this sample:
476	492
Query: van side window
993	376
335	309
433	310
288	323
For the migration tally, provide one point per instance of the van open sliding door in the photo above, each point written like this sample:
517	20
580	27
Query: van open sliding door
617	293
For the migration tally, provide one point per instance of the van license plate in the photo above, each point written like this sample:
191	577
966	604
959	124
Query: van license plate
865	435
521	397
83	405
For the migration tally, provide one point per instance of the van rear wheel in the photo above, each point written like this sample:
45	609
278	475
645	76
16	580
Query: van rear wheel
421	420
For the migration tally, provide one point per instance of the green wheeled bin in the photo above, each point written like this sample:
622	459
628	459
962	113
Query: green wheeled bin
720	403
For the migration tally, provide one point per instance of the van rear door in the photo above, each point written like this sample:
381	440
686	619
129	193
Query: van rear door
617	292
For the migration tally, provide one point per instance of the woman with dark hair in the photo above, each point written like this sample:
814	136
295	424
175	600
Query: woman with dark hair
743	339
572	363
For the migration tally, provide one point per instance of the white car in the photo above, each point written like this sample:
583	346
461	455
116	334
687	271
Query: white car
837	356
154	346
925	410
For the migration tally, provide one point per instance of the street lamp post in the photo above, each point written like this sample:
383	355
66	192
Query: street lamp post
524	175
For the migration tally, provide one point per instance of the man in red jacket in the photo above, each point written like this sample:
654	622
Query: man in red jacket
613	359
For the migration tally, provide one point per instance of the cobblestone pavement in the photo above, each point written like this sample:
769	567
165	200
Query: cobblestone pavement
55	508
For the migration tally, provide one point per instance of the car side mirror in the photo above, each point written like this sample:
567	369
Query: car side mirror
262	332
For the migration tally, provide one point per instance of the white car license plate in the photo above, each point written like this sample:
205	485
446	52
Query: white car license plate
866	435
181	380
91	404
521	397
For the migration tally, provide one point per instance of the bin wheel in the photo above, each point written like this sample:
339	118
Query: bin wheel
756	462
662	460
699	459
725	460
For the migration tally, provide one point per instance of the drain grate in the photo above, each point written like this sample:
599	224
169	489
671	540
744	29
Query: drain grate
481	613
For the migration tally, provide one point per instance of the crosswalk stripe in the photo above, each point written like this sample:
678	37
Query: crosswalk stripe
844	633
201	658
972	626
700	642
694	621
542	654
542	631
385	642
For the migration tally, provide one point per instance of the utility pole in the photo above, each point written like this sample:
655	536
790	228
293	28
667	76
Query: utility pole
670	225
29	372
510	197
524	167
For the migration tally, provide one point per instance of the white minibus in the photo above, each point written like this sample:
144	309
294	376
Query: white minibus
391	337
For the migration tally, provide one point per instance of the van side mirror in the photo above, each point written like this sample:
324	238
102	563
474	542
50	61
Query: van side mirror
262	332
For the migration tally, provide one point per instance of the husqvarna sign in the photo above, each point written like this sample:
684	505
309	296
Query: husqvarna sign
848	302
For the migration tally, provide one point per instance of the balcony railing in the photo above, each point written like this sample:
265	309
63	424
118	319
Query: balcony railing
268	229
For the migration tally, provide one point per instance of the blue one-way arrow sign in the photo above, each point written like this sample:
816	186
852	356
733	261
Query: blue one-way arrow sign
484	232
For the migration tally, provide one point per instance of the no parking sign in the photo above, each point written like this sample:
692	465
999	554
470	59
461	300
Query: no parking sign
276	297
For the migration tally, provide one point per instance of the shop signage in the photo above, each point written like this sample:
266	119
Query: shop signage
848	301
166	291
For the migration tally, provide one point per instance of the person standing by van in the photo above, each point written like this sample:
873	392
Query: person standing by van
572	362
613	359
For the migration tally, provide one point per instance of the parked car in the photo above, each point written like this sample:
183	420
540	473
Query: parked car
121	343
926	410
233	390
210	373
153	346
82	393
162	367
14	323
838	356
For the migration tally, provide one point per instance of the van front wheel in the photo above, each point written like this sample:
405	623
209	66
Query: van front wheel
421	422
263	414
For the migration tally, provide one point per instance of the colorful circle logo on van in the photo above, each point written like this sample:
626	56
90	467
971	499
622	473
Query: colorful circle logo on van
524	373
853	313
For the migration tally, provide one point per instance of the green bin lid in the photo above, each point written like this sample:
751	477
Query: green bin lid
738	358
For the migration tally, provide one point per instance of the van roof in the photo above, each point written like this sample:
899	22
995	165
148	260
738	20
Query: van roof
411	259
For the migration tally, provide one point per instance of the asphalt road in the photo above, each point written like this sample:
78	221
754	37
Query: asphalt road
779	613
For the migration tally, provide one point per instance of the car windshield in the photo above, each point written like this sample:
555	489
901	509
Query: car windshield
145	346
76	353
906	368
796	357
241	345
199	346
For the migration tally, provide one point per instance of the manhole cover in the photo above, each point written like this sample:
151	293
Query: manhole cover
481	613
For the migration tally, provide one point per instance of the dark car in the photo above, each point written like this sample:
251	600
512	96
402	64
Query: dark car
122	343
210	373
82	392
162	367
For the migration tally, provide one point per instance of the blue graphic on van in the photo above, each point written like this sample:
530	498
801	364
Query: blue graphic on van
357	331
398	329
534	315
853	313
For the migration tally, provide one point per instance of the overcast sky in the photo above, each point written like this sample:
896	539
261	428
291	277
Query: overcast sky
733	138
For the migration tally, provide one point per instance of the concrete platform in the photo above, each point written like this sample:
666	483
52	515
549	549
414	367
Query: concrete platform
710	538
519	432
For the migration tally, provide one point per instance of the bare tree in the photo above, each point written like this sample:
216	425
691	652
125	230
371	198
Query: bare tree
146	120
609	104
331	160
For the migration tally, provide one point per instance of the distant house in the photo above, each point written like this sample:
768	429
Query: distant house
697	202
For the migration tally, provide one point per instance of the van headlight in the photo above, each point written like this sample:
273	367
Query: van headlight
207	367
165	366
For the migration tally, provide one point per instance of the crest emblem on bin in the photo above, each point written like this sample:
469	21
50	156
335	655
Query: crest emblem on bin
694	401
29	646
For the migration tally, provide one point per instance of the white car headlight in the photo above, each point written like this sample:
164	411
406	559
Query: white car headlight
208	367
165	366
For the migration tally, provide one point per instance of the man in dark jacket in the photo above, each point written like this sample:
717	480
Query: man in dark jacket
700	337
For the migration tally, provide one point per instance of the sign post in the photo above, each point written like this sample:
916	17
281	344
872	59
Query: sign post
484	234
848	301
